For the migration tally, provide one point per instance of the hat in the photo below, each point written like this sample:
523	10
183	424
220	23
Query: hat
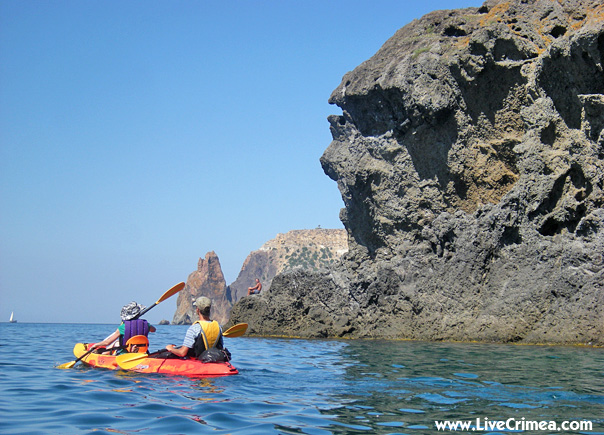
130	311
204	304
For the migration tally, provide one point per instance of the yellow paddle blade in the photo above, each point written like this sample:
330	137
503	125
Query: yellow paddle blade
178	287
235	331
79	350
67	365
130	360
169	293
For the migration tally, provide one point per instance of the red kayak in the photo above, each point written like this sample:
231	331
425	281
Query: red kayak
170	366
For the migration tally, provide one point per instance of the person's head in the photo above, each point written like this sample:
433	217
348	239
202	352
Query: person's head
130	311
203	305
257	280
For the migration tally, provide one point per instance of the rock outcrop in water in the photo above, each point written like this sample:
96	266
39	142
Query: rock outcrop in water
470	158
208	280
296	249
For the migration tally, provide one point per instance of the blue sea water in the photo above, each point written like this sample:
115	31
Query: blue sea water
290	386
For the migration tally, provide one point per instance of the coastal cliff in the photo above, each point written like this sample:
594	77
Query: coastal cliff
297	249
470	159
307	249
208	280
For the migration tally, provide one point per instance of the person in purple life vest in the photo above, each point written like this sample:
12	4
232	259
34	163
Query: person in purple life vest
131	325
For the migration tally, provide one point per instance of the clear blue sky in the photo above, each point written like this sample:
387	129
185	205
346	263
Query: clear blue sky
135	136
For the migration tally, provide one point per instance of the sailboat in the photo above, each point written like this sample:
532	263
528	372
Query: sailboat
12	317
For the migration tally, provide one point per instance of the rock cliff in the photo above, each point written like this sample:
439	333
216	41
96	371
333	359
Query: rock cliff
208	280
307	249
470	158
298	249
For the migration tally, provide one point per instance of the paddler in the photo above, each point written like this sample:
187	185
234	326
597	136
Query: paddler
203	335
129	327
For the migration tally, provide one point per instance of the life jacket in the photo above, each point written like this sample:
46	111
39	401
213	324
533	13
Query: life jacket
132	328
209	337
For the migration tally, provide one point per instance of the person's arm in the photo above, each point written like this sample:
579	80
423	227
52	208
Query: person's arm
188	342
152	328
106	342
179	351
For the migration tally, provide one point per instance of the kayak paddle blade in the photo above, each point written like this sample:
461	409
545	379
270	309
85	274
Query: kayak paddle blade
70	364
168	293
178	287
128	361
236	331
67	365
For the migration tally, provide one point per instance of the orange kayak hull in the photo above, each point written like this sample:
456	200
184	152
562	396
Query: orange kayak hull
169	366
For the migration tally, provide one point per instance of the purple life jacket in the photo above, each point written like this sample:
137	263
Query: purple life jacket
132	328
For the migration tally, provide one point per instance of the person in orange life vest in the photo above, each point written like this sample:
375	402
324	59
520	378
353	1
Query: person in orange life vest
205	329
256	289
128	328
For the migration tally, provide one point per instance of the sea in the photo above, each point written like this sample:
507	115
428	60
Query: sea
295	386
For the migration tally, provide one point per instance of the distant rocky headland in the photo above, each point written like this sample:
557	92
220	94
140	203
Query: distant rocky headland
297	249
470	159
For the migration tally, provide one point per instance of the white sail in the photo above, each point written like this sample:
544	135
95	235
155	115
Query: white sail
11	316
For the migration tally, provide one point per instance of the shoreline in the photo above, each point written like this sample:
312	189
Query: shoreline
296	337
299	337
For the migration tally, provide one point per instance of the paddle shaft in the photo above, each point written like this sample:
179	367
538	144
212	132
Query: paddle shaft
71	364
88	352
144	311
178	287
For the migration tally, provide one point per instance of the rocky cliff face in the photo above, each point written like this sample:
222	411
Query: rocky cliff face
298	249
307	249
470	158
208	280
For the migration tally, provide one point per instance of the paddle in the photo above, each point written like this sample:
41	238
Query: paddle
235	331
128	361
171	292
178	287
70	364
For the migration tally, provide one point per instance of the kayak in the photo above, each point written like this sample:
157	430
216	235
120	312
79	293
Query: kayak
170	366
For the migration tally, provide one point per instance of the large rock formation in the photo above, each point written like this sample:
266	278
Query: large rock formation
298	249
470	158
208	280
307	249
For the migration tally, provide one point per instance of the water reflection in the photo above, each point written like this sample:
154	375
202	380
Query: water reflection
411	384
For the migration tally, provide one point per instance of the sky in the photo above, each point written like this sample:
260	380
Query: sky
137	136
